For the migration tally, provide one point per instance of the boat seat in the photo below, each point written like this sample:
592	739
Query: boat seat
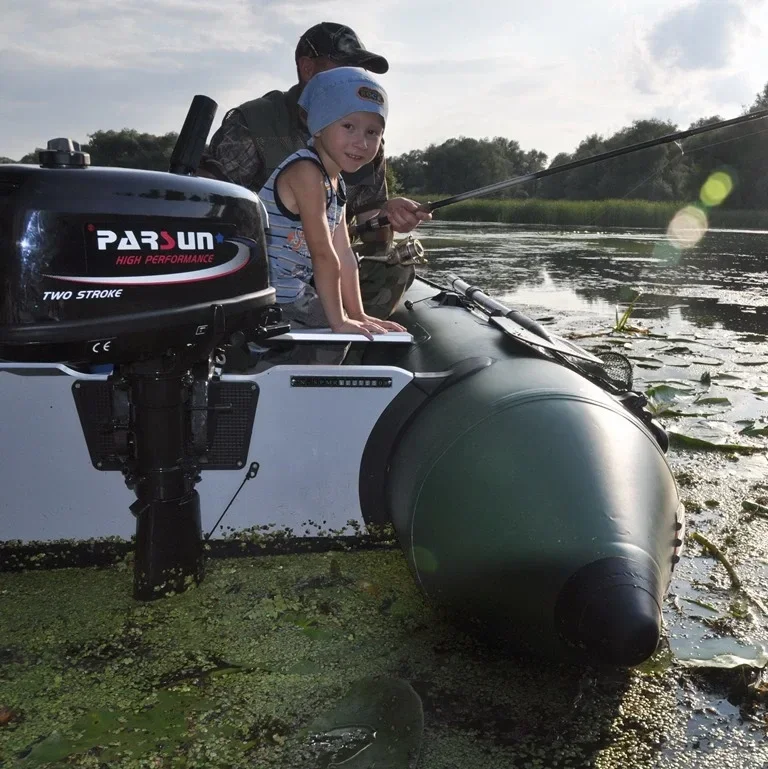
326	336
269	352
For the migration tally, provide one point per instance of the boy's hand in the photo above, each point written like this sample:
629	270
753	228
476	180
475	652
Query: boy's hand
387	325
405	215
367	327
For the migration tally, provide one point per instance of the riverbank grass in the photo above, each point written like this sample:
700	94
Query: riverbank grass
585	213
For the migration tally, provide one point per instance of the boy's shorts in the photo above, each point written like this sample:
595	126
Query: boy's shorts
307	312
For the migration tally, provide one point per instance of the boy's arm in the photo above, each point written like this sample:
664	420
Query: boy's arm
305	185
350	280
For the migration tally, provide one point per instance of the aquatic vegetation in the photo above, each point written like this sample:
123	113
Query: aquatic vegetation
719	555
622	324
605	213
215	677
755	508
683	440
663	398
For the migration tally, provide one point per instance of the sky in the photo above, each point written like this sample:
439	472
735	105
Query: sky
545	73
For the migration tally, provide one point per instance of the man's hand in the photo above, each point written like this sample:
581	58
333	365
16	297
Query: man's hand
404	215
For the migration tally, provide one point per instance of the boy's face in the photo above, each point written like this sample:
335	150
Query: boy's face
353	140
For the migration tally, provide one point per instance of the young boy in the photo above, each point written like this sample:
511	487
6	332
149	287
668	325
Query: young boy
311	263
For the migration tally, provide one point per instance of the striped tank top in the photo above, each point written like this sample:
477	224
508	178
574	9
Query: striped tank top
290	264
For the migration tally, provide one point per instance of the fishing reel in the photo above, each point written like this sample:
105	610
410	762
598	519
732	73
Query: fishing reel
406	252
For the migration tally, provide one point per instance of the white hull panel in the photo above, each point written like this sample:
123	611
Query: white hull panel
307	441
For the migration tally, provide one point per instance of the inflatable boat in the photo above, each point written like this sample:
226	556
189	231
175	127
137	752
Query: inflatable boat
525	482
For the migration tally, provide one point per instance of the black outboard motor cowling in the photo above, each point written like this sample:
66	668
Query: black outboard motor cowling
158	274
96	262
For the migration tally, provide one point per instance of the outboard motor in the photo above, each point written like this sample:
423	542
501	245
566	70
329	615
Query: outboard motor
152	274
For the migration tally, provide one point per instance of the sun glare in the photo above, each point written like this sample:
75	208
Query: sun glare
716	189
687	227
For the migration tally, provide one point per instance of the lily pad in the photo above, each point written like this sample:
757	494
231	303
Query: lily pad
644	362
755	428
681	440
663	397
728	661
115	733
669	392
678	350
669	360
718	406
708	361
379	723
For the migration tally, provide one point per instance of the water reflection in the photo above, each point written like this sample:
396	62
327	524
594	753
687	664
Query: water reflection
722	280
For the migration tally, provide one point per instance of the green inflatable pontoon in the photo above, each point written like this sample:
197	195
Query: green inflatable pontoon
523	492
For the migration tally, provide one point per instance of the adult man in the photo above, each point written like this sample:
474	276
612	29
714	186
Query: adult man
257	136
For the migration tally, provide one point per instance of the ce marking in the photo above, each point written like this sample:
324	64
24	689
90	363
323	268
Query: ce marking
103	345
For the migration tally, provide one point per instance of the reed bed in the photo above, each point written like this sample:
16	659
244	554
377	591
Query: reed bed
582	213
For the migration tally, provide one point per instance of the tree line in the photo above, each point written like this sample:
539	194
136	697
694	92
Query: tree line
665	173
122	149
668	172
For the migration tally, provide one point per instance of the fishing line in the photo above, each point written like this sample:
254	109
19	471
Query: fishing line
726	141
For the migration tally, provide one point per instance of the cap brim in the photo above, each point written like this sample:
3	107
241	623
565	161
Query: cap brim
365	59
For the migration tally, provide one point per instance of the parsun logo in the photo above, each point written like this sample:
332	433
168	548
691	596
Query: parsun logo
143	240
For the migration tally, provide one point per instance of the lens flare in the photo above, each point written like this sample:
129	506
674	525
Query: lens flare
424	559
667	253
687	227
716	189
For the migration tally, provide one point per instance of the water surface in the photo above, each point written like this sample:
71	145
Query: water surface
294	661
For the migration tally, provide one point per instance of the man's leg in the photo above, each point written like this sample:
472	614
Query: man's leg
382	286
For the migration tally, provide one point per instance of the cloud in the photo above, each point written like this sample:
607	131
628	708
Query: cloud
705	55
71	67
109	35
42	100
732	90
544	73
698	36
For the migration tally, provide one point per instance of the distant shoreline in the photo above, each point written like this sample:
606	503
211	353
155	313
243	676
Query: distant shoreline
606	213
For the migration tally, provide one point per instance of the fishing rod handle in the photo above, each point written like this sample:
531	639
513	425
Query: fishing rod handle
376	223
372	224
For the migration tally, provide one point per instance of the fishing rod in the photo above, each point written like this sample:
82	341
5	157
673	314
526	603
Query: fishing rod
377	223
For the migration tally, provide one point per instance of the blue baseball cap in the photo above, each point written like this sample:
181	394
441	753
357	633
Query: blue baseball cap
332	94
